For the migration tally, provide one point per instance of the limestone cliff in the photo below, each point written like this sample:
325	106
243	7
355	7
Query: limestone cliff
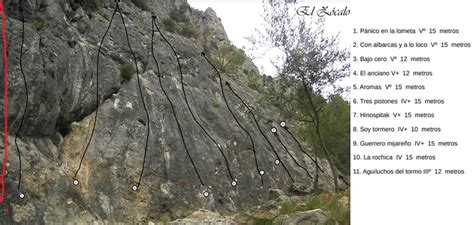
60	50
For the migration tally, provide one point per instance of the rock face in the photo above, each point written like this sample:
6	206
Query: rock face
60	55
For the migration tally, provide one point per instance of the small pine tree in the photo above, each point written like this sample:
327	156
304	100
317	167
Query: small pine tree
126	71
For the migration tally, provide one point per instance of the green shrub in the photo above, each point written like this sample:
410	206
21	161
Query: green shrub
330	202
263	221
228	58
126	71
38	22
179	15
287	207
188	30
326	201
180	23
64	123
313	203
170	25
254	80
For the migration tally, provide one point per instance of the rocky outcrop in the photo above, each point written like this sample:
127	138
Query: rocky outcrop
312	217
203	217
60	55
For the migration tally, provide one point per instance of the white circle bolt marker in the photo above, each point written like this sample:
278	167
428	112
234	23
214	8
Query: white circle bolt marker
274	130
282	124
22	196
134	187
277	161
262	172
234	183
206	194
75	182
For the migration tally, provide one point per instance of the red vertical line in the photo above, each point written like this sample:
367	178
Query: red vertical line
5	104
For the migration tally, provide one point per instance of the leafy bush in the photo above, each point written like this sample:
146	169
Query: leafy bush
170	25
254	80
180	23
287	94
188	30
38	22
335	129
263	222
126	71
287	207
228	58
326	201
179	15
330	202
185	29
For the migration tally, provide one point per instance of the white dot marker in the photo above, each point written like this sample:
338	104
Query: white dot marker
262	172
274	130
206	194
234	183
75	182
22	196
277	161
282	124
134	187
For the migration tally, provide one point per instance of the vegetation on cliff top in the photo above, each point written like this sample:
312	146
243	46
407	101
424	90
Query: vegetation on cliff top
179	22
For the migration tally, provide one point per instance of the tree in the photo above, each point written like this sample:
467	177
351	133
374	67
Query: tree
312	63
228	58
335	128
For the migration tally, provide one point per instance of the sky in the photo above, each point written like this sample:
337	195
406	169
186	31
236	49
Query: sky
241	18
